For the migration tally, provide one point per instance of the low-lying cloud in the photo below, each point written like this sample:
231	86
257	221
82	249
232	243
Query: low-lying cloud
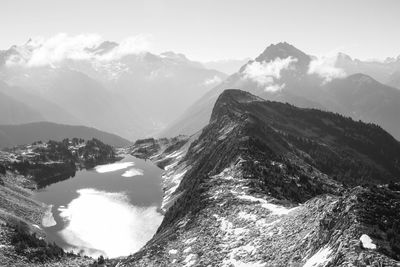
213	81
325	67
106	223
265	74
41	51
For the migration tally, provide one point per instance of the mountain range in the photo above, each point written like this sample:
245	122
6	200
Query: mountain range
130	94
143	94
23	134
286	74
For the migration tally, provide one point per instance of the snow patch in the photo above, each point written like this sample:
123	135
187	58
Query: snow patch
48	219
190	260
113	167
237	263
36	226
190	240
367	242
172	251
132	172
171	180
275	209
320	259
247	216
187	250
225	131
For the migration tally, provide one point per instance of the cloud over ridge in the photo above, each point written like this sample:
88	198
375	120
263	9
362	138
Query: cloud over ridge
266	73
40	51
325	67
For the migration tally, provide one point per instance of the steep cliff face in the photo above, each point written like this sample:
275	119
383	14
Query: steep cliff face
269	184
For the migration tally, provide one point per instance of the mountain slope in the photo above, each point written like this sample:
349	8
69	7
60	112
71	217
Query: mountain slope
269	72
132	94
228	66
282	73
12	135
381	70
49	111
363	98
269	184
394	80
12	111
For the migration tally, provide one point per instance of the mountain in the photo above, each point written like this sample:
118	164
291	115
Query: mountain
363	98
269	184
12	135
394	80
279	73
142	92
228	66
13	111
284	73
380	70
48	110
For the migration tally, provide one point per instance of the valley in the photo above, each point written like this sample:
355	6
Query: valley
263	184
204	133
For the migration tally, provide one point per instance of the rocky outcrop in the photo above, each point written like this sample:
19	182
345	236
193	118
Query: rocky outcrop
269	184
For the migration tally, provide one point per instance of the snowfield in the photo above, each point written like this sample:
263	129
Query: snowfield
113	167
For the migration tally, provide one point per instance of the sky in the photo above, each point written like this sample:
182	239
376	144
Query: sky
207	30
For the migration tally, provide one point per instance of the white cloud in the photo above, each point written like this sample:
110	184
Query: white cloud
62	46
213	81
274	87
130	45
266	73
48	51
324	67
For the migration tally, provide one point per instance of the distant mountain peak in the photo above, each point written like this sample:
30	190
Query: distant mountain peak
343	56
103	48
173	55
283	50
180	58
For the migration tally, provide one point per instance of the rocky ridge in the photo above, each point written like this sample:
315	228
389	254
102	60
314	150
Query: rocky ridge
269	184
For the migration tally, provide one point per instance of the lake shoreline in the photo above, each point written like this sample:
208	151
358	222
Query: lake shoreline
80	202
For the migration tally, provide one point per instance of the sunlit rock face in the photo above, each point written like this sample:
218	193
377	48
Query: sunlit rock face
106	223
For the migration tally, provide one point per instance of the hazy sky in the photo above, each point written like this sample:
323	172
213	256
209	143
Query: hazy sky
215	29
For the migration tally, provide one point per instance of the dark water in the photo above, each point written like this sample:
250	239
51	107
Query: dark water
90	198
